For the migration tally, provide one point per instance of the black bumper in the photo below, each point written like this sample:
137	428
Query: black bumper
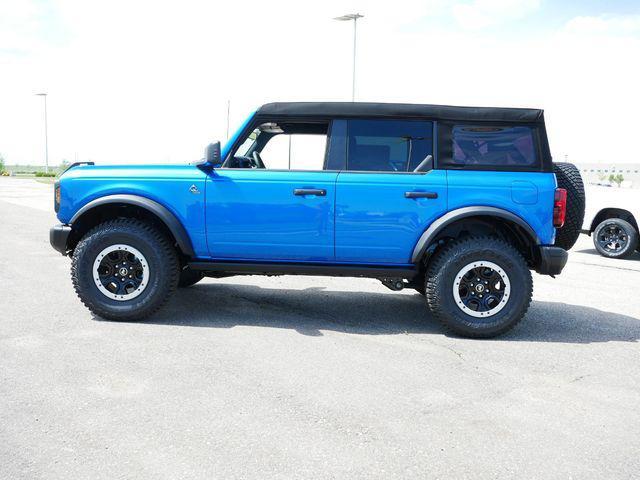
58	236
552	260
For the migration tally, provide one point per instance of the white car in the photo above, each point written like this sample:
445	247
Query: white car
611	218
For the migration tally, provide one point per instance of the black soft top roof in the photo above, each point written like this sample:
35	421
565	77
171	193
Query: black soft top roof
435	112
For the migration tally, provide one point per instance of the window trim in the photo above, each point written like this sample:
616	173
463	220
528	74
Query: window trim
441	135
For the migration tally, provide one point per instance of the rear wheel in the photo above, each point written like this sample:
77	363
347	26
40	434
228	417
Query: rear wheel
478	287
124	269
615	238
568	177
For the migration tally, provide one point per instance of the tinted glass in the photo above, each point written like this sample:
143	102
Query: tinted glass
388	145
493	146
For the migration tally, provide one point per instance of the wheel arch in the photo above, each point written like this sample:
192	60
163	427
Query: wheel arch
607	213
136	206
474	218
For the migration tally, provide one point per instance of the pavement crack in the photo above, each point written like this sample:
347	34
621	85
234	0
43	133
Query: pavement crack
580	377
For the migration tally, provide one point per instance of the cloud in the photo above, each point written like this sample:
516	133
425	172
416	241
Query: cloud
19	26
615	25
480	14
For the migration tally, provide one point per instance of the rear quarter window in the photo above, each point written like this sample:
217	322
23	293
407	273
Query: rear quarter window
500	147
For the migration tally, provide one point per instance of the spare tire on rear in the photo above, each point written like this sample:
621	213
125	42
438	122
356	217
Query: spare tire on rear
568	177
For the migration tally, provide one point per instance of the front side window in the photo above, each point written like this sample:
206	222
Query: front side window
282	146
493	146
388	145
295	152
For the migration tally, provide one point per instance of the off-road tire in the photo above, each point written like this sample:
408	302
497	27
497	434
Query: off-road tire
441	274
568	177
162	261
189	277
628	249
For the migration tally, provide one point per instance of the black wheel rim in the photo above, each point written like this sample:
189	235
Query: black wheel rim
612	238
481	289
120	272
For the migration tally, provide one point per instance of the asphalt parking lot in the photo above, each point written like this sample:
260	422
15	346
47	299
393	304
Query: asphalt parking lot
301	377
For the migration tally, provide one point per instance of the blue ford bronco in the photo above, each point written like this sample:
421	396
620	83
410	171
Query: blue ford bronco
458	203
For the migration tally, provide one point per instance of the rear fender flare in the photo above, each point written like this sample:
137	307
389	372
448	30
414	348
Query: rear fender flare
453	216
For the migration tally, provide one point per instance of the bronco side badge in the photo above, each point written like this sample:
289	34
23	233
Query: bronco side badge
194	189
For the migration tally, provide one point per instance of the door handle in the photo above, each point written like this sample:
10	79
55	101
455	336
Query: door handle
420	195
320	192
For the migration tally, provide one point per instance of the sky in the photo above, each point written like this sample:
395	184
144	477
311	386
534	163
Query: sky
148	81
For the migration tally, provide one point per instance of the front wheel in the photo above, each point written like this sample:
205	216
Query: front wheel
124	269
478	287
615	238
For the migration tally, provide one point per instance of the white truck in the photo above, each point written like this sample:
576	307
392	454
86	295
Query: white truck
611	218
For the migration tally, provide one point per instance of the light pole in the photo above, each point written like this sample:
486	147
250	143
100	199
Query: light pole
347	18
46	140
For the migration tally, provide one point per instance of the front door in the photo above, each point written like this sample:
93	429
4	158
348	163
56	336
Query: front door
382	206
274	200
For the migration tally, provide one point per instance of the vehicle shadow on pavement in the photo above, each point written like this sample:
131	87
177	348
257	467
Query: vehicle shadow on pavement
593	251
312	310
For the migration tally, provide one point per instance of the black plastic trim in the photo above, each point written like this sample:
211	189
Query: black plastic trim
436	227
76	164
304	269
552	260
169	219
58	236
417	194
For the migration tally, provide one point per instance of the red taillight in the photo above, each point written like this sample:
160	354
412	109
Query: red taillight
559	207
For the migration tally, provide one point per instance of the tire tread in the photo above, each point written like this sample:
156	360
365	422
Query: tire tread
161	242
569	178
435	276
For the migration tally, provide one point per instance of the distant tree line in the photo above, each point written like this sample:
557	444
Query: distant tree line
617	179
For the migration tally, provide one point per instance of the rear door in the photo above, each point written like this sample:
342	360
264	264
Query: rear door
382	207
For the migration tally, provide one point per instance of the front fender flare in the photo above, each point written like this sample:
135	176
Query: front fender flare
169	219
436	227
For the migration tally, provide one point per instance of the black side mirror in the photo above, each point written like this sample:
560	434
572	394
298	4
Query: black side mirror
212	154
425	165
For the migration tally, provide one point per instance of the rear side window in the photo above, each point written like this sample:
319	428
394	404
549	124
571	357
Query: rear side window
493	146
388	145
